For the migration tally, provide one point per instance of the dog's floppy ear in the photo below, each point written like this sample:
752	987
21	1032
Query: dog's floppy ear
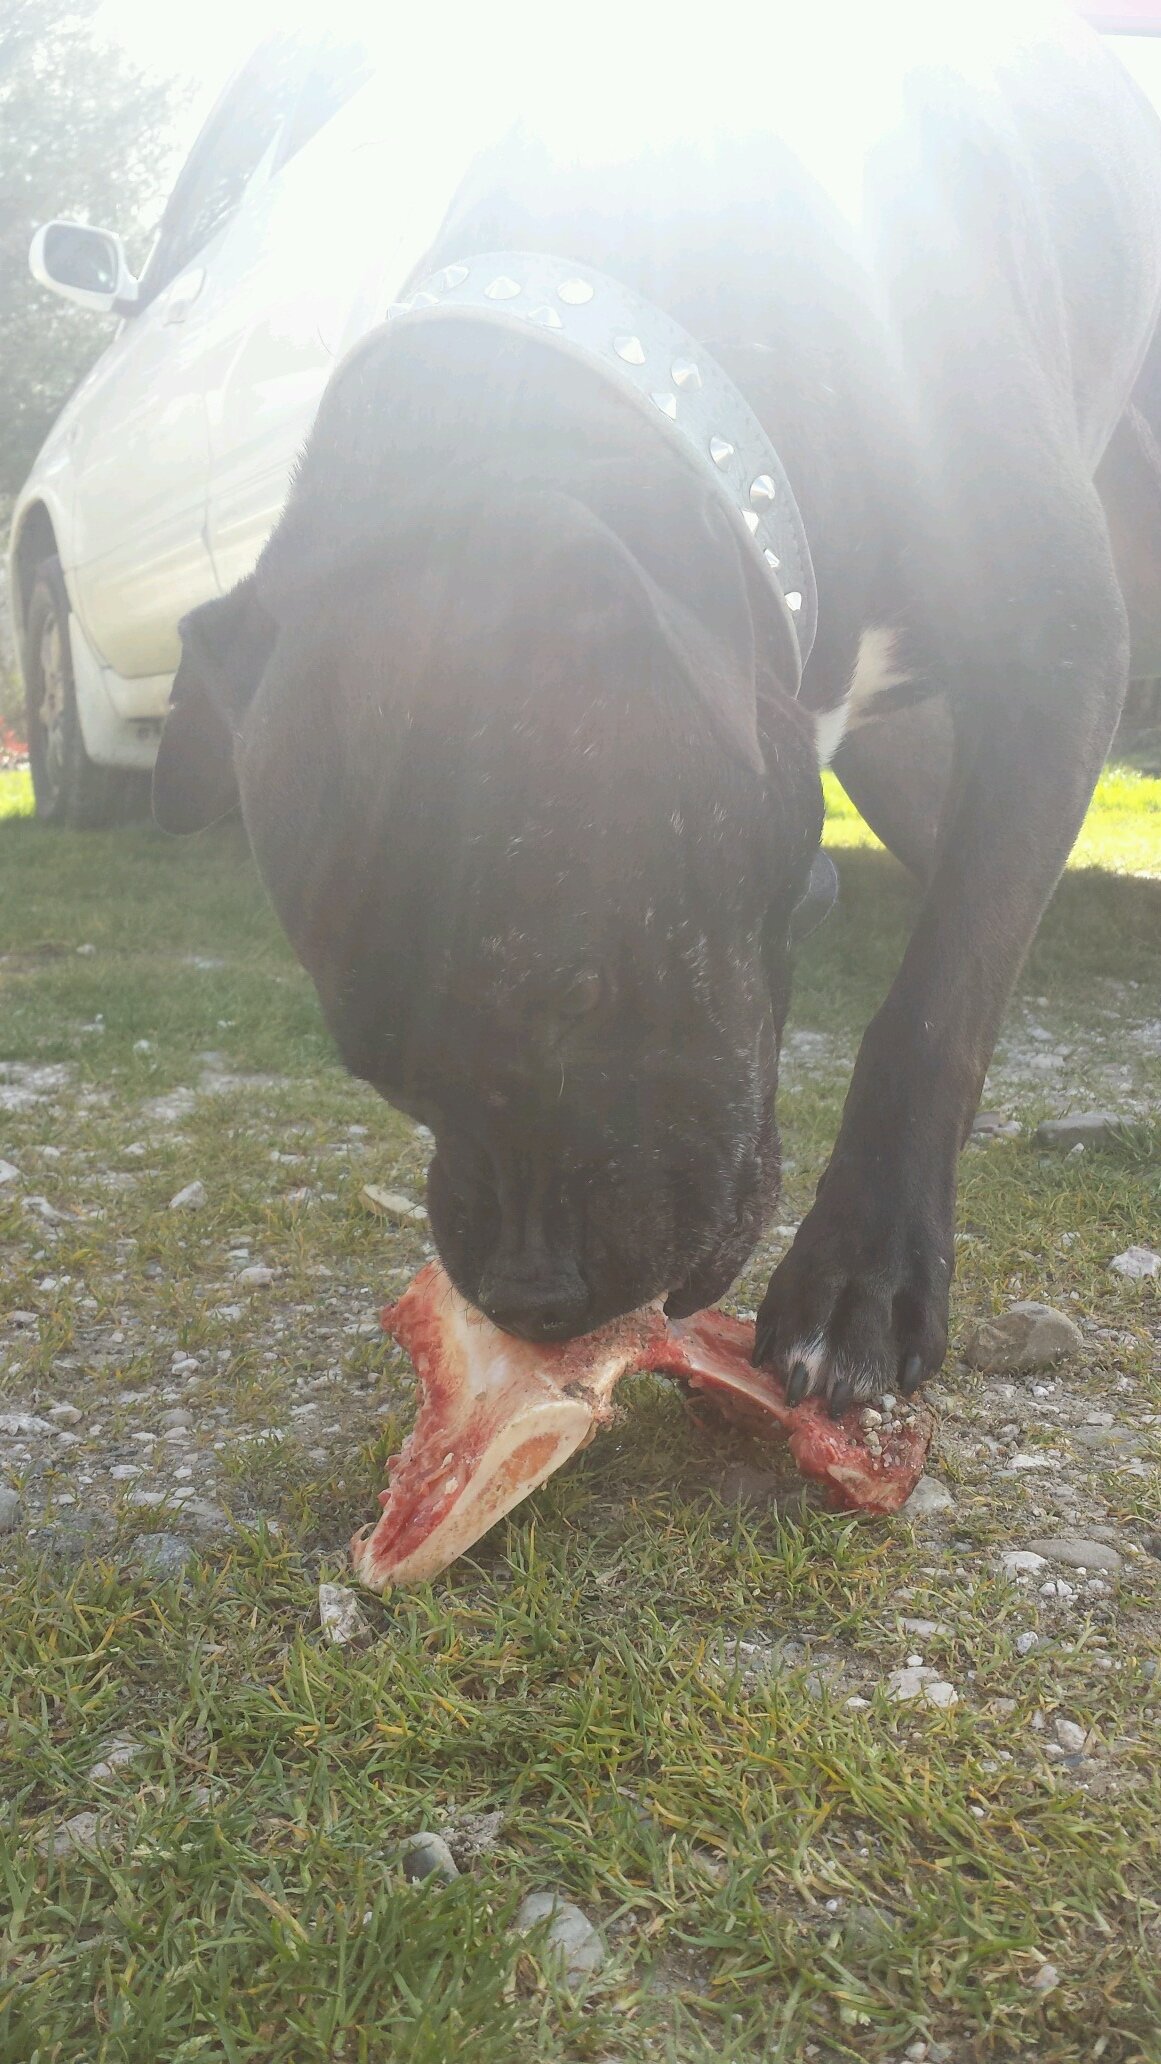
225	647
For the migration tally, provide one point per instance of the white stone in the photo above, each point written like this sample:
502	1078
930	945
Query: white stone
257	1276
393	1204
940	1694
1026	1642
9	1172
928	1497
190	1199
918	1681
339	1615
1018	1560
1046	1979
1137	1263
118	1753
1071	1737
64	1414
25	1422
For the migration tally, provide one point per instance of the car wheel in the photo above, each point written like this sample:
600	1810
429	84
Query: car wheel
69	787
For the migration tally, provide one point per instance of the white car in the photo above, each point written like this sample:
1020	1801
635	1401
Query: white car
311	192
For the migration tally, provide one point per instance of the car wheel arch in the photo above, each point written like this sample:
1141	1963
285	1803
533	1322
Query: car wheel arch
34	542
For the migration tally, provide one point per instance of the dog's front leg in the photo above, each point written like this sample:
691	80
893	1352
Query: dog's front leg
860	1304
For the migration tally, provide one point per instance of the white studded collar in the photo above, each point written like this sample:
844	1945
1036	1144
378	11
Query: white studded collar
644	352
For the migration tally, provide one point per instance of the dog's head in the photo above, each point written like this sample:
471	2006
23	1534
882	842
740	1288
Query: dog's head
541	827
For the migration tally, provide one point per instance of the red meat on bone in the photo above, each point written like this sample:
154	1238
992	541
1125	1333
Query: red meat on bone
497	1416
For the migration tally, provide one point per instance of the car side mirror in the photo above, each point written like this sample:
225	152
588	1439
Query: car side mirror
84	265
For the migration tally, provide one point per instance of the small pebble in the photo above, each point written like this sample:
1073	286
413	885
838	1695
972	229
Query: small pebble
64	1414
162	1555
1026	1642
190	1199
25	1422
340	1615
1071	1737
1137	1263
83	1831
1046	1979
928	1497
1022	1561
257	1276
1078	1554
120	1752
393	1204
918	1682
9	1510
427	1855
176	1417
8	1172
571	1941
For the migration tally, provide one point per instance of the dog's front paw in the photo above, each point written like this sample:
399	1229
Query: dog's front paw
859	1306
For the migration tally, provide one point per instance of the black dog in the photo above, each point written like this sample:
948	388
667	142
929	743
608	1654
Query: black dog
512	710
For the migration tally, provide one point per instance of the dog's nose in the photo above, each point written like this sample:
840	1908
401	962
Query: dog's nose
537	1307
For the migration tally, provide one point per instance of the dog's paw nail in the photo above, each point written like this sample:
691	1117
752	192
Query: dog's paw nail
911	1375
797	1383
763	1343
839	1400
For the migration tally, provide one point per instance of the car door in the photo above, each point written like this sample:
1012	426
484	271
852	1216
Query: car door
140	447
291	273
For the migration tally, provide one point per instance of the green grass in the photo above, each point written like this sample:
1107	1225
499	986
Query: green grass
1121	834
779	1874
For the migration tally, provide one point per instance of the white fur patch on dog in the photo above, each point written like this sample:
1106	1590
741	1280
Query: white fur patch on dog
875	671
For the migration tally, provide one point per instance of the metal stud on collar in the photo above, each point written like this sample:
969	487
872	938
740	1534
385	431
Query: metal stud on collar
649	357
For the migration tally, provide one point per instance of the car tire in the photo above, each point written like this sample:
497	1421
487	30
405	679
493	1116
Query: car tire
70	789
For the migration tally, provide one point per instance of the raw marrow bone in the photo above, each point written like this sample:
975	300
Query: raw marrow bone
497	1416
